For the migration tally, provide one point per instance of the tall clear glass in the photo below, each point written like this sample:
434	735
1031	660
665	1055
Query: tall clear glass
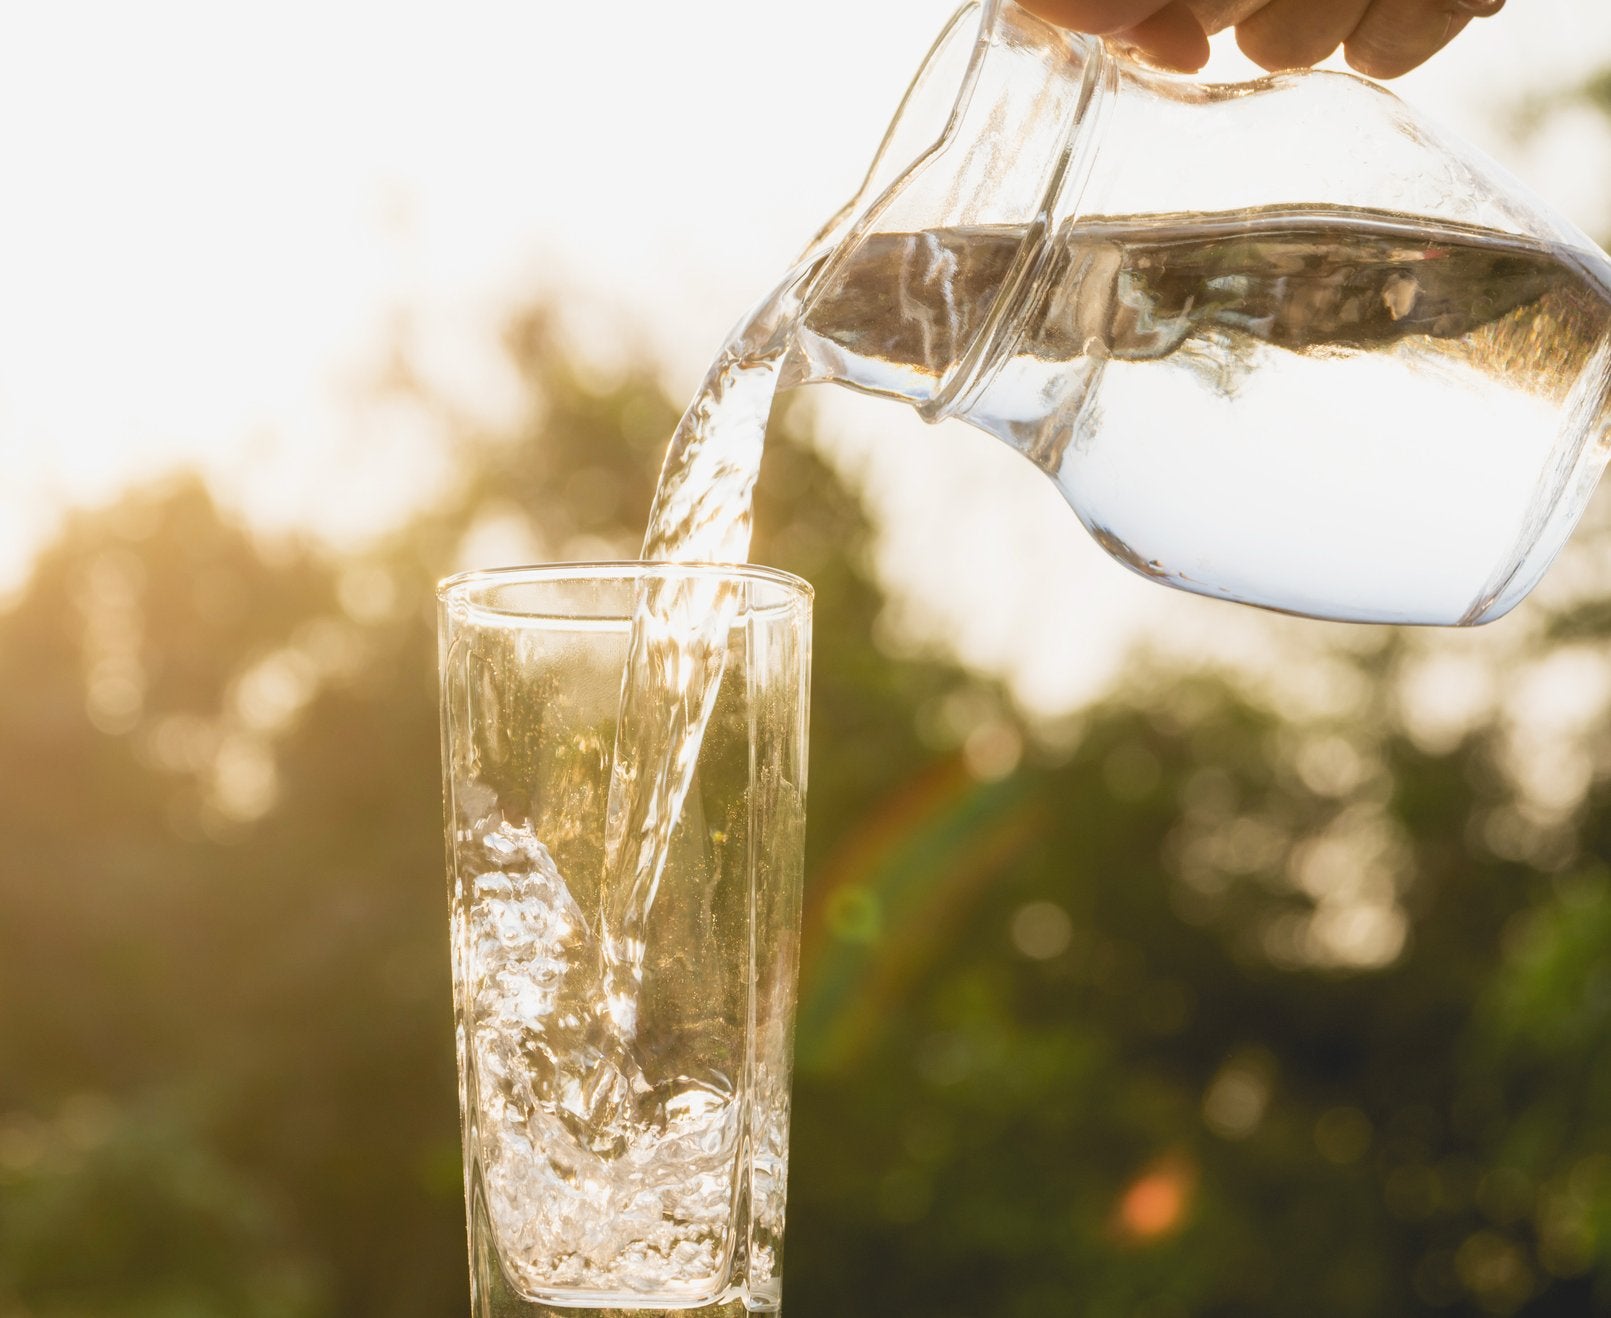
625	1096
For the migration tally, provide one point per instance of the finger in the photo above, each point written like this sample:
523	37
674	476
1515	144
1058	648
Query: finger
1217	15
1396	35
1100	17
1172	37
1293	34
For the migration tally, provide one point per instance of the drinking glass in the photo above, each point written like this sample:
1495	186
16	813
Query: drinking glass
624	1056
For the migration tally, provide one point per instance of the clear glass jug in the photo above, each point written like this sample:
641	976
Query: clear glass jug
1281	342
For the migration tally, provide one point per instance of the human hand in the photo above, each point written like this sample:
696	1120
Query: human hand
1381	38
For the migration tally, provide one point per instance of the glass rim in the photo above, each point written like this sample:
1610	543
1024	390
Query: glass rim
474	588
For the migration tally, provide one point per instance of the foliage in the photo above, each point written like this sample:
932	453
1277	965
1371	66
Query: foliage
1206	1007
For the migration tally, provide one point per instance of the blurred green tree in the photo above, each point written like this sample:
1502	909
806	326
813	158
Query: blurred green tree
224	1004
1209	1005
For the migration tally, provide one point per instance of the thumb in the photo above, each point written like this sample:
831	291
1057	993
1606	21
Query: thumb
1165	32
1172	37
1099	17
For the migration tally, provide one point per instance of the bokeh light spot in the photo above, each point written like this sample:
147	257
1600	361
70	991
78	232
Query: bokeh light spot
992	750
1155	1204
368	593
1041	930
945	1059
1494	1269
1343	1135
855	914
1238	1096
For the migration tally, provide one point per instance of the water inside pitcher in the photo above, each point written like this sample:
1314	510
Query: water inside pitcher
1281	342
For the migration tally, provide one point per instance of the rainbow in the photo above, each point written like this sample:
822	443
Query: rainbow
894	895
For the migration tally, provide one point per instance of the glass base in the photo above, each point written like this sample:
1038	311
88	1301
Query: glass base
505	1303
492	1295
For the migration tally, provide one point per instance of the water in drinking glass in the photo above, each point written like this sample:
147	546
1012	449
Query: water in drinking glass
624	1055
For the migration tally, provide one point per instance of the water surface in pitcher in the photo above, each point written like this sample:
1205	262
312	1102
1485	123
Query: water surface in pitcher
1342	413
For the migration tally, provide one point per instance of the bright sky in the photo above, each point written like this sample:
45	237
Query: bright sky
215	215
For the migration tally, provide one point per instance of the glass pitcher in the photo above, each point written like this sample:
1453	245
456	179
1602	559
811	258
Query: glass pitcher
1281	342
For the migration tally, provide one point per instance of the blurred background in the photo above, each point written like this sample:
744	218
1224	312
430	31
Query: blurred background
1163	960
